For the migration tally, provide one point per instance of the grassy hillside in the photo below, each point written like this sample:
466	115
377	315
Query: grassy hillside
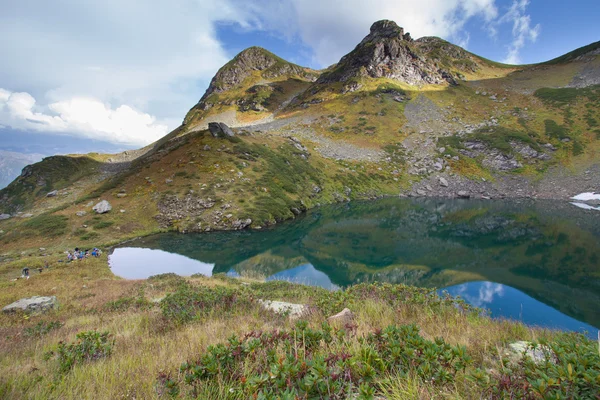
197	338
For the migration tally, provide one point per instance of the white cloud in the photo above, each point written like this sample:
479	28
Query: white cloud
151	55
79	116
522	30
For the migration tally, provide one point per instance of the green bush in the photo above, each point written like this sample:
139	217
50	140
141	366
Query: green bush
553	130
47	225
125	303
102	224
188	303
42	328
315	363
89	236
571	370
90	346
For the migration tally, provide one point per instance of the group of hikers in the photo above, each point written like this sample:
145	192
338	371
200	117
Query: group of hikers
82	254
77	254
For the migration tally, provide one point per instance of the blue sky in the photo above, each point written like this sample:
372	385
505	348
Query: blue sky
125	72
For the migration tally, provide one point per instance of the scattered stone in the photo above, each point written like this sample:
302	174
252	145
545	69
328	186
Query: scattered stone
91	203
102	207
463	194
282	307
207	147
343	317
80	213
52	193
421	192
28	215
168	180
42	249
121	211
240	224
121	195
33	304
538	354
4	216
443	182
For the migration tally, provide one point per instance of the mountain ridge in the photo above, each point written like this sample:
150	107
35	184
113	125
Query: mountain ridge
304	137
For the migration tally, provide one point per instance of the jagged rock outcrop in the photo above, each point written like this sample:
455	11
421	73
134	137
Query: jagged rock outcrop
387	52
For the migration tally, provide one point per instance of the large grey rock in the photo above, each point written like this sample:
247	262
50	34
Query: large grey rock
443	182
33	304
282	307
52	193
538	354
219	129
463	194
4	216
343	317
102	207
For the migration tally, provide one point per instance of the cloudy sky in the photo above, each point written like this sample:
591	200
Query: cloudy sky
111	74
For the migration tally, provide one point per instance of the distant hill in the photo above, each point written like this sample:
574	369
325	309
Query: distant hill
11	164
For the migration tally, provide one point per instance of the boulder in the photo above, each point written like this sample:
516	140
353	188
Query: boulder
343	317
33	304
282	307
240	223
52	193
219	129
537	353
102	207
4	216
443	182
463	194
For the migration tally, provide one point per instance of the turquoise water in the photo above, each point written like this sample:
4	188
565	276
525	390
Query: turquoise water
534	261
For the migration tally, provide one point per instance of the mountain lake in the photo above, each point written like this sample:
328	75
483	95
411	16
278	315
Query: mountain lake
536	261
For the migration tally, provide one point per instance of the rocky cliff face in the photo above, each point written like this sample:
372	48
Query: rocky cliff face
388	52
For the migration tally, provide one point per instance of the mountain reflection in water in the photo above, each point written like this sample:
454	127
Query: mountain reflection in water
512	251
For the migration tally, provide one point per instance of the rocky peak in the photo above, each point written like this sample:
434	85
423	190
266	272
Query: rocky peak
388	52
386	29
243	65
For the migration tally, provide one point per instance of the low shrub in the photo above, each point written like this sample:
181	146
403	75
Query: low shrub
90	346
47	225
188	303
570	370
315	363
42	328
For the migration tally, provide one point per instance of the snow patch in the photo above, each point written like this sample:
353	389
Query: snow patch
586	196
585	206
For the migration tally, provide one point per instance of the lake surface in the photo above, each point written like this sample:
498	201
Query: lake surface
533	261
